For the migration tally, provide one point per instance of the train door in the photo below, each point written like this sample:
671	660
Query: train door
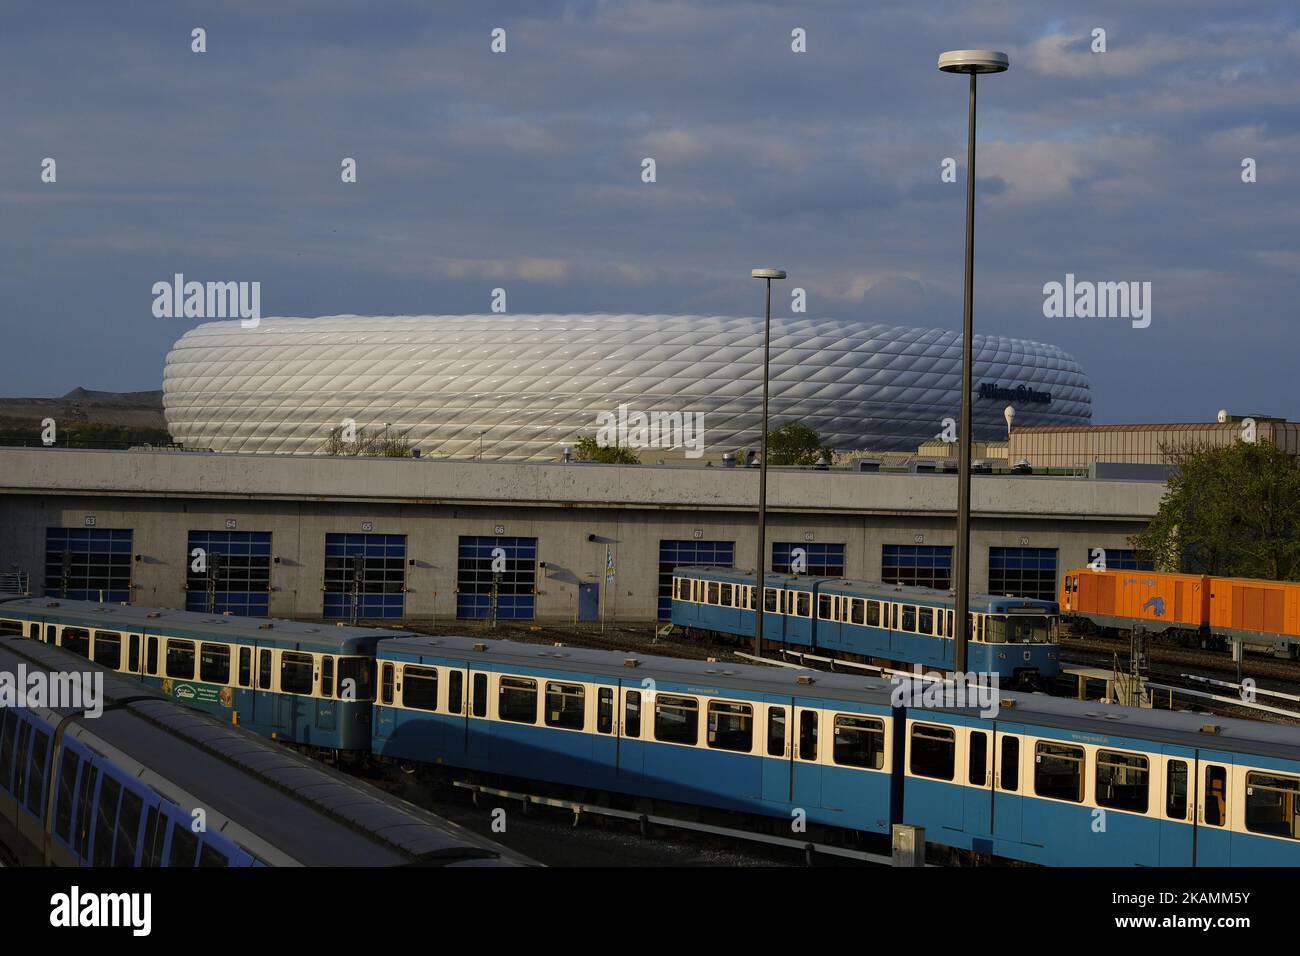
455	732
478	728
1212	842
774	603
633	726
977	789
264	696
1007	824
806	770
604	742
1177	813
778	766
326	708
385	715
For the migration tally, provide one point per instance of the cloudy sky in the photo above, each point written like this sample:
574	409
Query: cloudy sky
522	170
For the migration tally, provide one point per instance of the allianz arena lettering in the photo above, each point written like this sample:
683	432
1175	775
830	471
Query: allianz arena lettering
524	386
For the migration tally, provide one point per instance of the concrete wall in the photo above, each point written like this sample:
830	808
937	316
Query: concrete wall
162	496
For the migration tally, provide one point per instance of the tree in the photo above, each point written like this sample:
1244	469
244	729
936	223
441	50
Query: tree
794	443
1231	511
381	444
588	449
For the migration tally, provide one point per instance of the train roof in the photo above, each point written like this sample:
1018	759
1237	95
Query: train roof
1086	717
308	812
872	589
131	617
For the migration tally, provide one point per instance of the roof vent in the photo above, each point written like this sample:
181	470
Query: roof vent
227	613
153	614
631	662
265	627
1211	729
803	680
480	647
1006	703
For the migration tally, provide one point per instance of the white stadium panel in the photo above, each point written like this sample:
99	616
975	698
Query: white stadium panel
523	386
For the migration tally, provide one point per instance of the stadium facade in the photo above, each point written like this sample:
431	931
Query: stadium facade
521	387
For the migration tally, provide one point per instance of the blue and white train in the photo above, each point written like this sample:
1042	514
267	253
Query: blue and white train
1015	638
1043	780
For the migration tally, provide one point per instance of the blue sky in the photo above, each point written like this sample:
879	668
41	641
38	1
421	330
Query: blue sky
522	170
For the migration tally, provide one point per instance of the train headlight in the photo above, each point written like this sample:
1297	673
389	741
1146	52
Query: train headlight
1051	655
1002	655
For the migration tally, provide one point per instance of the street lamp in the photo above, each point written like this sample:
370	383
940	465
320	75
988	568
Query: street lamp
769	275
972	62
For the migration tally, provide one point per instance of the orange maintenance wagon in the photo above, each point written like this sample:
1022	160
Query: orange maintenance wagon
1124	599
1257	612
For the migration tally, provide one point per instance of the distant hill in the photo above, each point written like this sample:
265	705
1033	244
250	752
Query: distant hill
85	411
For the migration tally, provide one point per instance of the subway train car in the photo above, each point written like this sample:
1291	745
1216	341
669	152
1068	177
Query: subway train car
309	684
1190	609
1039	779
1015	638
119	780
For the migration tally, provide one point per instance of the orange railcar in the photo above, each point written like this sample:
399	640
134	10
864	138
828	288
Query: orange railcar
1124	598
1266	612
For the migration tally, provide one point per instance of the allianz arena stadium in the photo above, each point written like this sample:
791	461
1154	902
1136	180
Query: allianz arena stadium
521	387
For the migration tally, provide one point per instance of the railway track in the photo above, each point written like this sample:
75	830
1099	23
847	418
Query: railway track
1217	661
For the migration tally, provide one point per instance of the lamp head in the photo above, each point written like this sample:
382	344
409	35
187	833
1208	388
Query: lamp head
768	274
974	61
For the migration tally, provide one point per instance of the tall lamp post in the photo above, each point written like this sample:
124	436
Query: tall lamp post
769	275
972	62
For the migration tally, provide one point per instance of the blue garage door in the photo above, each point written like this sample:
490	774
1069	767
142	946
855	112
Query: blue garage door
516	584
365	576
1023	572
825	560
87	564
923	565
1123	559
237	576
675	554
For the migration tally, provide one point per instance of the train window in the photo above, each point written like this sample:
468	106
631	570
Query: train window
455	690
934	752
909	618
180	659
785	602
803	604
713	592
10	721
1216	796
1176	790
855	611
214	663
81	832
20	761
386	683
948	626
34	632
77	640
859	742
128	829
296	672
1058	771
419	687
726	597
11	627
327	676
632	714
769	600
776	731
36	781
185	846
873	614
927	620
808	721
151	855
978	747
605	710
480	692
356	679
211	856
1273	805
264	669
1122	781
151	655
110	794
517	700
108	649
731	726
133	655
63	799
566	705
824	607
677	719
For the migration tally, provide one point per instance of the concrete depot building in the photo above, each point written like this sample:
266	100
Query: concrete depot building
295	530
